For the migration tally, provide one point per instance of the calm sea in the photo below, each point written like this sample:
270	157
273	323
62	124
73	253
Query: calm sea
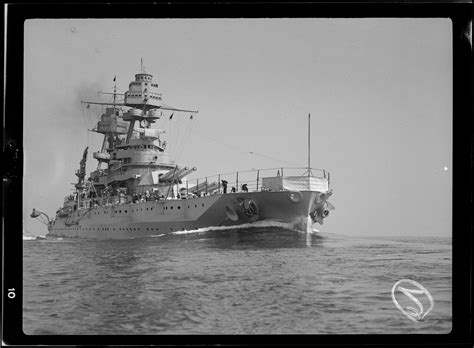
247	281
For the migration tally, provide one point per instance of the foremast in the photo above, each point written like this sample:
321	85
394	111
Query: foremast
132	148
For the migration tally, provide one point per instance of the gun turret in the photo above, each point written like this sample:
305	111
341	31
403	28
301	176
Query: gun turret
181	174
203	186
169	175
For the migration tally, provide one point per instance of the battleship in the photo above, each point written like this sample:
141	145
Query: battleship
138	191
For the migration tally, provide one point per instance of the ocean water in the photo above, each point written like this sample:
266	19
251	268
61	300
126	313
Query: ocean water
268	280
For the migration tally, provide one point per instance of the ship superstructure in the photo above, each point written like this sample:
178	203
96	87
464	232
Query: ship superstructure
137	190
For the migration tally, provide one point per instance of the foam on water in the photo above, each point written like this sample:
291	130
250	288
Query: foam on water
29	237
258	224
33	237
157	235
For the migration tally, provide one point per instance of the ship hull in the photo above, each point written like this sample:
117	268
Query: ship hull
126	221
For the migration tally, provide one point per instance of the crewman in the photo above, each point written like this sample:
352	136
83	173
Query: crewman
224	185
245	188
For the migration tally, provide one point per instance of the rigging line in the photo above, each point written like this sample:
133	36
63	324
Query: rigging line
169	134
167	128
90	121
172	108
249	152
85	124
175	127
274	159
186	137
167	106
179	137
189	133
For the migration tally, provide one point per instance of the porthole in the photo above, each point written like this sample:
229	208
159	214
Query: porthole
171	207
179	207
195	205
203	204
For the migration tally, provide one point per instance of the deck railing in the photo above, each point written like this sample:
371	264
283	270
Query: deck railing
251	178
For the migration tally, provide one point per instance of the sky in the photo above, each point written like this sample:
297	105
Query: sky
379	92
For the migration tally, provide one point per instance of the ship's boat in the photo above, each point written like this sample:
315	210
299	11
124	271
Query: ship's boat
138	191
102	156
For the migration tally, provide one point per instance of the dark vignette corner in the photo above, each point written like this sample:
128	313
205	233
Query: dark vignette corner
463	157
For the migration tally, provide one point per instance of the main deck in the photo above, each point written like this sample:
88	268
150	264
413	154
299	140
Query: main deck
280	198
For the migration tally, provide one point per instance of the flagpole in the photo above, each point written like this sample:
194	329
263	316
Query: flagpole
309	144
115	91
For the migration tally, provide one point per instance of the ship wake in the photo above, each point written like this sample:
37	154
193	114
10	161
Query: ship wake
298	226
26	237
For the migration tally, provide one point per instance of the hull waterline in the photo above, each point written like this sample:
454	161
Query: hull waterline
126	221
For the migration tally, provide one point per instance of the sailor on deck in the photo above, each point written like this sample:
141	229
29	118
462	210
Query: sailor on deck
224	185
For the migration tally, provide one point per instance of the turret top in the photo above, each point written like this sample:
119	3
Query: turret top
143	77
